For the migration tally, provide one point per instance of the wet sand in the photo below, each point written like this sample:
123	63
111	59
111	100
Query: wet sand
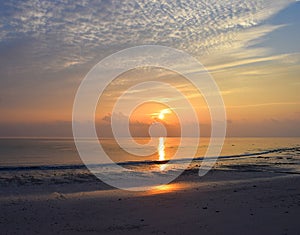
222	202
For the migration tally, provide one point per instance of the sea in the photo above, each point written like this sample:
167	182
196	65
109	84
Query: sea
57	161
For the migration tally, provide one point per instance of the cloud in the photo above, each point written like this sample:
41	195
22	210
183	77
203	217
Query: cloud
137	128
265	128
246	61
48	46
246	106
69	33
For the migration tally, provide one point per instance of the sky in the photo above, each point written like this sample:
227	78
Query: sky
250	47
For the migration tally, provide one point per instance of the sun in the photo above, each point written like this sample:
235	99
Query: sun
161	114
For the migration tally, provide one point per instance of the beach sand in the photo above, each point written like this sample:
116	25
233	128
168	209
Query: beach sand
222	202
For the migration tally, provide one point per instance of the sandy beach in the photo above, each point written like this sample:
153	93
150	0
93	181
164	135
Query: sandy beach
222	202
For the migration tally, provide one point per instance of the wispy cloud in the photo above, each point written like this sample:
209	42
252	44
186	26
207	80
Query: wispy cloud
47	47
70	33
246	106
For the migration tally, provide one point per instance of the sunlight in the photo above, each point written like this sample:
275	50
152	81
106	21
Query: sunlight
161	116
168	188
161	149
161	152
162	113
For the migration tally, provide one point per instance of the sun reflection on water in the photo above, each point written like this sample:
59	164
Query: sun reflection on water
161	152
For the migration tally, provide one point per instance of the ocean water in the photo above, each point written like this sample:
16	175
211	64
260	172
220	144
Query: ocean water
30	161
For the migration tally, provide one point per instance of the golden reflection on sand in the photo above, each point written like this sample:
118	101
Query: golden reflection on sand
168	188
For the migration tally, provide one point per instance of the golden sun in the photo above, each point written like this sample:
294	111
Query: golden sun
161	114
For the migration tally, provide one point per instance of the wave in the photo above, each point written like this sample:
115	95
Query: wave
136	163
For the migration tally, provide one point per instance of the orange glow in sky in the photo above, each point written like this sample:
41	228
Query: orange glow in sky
152	111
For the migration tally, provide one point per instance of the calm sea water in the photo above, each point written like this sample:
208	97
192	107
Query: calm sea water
39	159
33	152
